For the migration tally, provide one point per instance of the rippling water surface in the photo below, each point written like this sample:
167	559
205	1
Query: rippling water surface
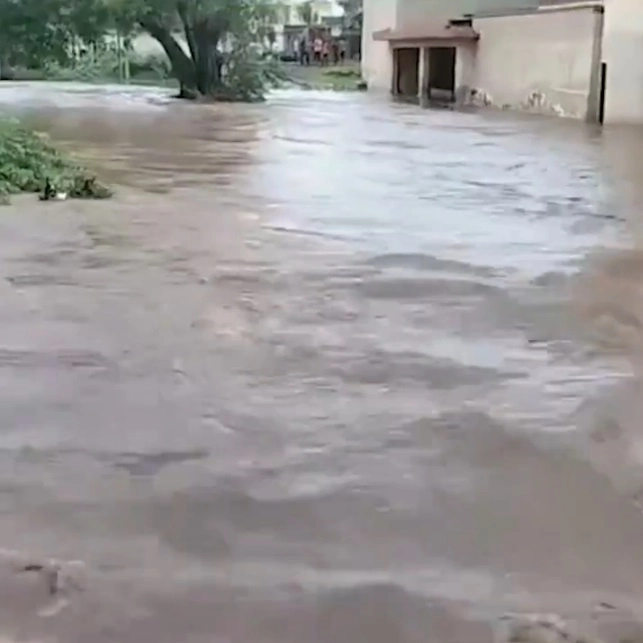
326	370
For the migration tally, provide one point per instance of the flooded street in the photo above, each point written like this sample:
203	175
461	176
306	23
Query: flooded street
325	370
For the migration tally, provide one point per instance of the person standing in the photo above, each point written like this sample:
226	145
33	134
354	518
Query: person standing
317	49
325	52
335	48
304	55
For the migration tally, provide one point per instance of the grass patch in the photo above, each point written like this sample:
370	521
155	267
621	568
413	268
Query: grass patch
342	78
342	72
28	161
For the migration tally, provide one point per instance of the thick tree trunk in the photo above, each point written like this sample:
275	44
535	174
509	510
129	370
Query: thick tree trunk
187	28
207	58
183	67
6	73
199	74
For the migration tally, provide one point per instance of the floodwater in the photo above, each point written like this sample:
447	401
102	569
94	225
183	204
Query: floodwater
325	370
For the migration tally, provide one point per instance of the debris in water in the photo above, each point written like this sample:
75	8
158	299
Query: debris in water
540	628
82	187
49	193
57	577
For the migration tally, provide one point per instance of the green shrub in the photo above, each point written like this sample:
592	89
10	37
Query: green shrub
87	68
27	161
103	66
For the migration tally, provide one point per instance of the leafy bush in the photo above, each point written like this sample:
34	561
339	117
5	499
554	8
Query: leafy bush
86	69
21	73
27	161
103	66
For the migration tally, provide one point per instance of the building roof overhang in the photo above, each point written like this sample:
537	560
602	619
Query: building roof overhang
438	32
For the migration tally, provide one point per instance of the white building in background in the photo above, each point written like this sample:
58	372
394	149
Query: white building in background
320	9
288	19
291	22
582	59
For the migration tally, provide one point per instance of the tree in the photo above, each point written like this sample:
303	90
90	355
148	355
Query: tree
352	13
271	37
351	7
34	33
306	12
31	30
220	58
88	20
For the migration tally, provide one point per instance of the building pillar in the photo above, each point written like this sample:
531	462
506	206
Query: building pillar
594	108
622	46
423	75
396	72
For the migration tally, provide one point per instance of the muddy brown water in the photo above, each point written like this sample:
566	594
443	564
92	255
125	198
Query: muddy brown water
326	370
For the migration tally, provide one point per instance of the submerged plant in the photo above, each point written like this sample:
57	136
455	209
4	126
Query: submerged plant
28	162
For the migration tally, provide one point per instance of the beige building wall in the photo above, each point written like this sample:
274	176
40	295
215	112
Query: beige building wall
377	61
623	53
465	68
540	61
411	13
544	60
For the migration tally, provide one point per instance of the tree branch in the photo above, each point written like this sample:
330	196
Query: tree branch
182	10
182	66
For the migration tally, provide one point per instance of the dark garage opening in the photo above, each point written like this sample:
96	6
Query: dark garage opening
442	73
408	62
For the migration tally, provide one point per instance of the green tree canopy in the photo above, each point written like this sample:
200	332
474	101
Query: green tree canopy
212	45
33	30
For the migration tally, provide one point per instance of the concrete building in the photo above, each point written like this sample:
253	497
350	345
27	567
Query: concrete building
623	56
581	59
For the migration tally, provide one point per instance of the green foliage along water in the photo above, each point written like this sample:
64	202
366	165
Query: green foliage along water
212	47
28	161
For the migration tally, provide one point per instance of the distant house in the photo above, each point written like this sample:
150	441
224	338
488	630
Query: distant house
582	58
295	15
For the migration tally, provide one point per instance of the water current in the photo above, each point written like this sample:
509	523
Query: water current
326	370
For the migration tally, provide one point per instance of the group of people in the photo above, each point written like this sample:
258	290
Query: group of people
321	51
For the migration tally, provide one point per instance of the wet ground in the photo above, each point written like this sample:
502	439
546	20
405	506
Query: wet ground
326	370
